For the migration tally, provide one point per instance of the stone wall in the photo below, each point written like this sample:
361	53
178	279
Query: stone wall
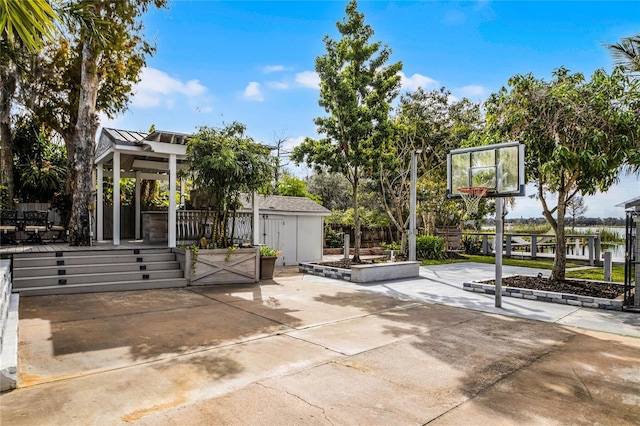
8	330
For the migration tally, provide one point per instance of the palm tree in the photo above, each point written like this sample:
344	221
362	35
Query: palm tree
627	53
24	27
29	22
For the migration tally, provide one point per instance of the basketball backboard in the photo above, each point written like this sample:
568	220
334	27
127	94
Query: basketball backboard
498	167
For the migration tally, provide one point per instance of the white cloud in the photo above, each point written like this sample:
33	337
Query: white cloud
158	88
273	68
309	79
293	142
279	85
253	92
416	81
472	91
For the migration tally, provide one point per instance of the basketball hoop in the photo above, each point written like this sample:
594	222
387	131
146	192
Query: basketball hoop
471	196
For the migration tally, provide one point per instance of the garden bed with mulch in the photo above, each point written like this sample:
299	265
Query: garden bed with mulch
603	289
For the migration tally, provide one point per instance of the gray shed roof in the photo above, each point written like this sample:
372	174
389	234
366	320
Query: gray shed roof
285	204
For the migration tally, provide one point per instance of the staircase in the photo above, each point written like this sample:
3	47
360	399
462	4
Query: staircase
95	271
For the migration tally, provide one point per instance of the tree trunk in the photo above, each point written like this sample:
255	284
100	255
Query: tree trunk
560	258
84	147
7	91
356	220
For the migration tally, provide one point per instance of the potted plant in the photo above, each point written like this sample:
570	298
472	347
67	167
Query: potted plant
268	257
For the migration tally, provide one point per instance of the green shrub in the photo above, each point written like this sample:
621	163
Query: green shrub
5	202
332	239
429	247
472	245
530	228
266	251
390	246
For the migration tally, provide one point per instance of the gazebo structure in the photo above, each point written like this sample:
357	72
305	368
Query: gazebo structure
140	155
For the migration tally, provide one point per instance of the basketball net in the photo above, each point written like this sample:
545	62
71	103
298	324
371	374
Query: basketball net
471	196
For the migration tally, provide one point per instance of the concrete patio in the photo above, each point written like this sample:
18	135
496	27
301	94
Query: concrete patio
297	350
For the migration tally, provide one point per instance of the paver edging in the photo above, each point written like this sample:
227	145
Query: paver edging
547	296
325	271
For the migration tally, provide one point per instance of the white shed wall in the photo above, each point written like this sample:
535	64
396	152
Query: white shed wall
298	237
309	238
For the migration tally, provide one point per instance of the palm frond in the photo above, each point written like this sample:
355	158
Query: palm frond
30	22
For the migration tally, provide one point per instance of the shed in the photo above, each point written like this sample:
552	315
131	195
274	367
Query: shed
294	225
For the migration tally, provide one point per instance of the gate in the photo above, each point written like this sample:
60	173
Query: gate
631	260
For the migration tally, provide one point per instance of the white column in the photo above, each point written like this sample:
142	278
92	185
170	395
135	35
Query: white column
100	203
172	200
137	201
116	198
412	205
256	218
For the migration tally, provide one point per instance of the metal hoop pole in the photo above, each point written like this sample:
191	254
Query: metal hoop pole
498	248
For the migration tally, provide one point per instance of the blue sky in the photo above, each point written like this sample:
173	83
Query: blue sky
253	62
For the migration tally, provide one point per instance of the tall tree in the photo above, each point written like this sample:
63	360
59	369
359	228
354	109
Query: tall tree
225	163
433	124
24	26
356	90
331	188
578	133
92	69
576	208
627	53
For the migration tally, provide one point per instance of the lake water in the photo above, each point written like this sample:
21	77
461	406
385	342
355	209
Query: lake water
616	250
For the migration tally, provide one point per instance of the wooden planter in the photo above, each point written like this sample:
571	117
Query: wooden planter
220	266
267	265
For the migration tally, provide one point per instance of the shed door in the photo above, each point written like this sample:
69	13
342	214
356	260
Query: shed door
280	232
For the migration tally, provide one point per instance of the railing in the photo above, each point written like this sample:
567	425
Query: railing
191	225
533	244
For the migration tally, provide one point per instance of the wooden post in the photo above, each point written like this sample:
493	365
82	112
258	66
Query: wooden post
534	247
607	266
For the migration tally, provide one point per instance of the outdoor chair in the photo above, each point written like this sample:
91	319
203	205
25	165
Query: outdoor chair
8	226
35	224
58	232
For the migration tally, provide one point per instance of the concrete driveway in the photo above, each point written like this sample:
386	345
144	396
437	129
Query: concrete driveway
294	351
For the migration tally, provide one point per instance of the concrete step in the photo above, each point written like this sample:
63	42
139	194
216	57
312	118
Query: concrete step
80	259
96	271
103	287
60	280
88	252
82	269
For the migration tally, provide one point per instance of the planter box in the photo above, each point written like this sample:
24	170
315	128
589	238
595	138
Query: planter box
547	296
364	273
384	271
213	267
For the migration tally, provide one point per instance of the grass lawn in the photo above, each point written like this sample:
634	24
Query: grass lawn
543	263
617	272
527	263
